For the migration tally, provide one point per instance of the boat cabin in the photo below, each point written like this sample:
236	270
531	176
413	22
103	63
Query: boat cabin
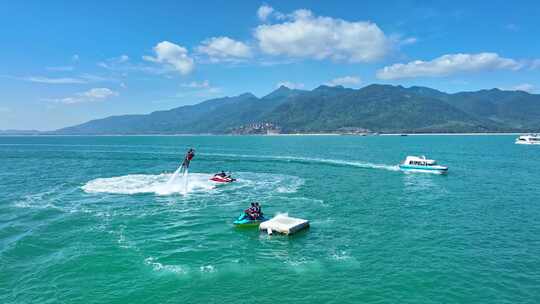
529	138
419	161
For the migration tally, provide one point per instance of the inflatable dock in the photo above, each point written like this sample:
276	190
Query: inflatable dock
284	224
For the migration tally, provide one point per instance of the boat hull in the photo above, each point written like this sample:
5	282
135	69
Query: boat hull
243	221
219	179
426	169
527	143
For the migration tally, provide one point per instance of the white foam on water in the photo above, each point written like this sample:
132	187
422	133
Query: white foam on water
249	186
269	183
157	266
340	255
44	200
366	165
207	269
122	241
247	183
302	264
142	183
290	187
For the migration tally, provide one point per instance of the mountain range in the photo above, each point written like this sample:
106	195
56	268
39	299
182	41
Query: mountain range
374	108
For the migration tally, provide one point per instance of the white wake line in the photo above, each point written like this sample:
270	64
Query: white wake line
314	160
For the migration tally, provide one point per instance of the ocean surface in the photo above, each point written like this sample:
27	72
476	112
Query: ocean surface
93	220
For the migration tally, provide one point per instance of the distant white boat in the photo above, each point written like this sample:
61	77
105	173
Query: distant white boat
532	139
422	164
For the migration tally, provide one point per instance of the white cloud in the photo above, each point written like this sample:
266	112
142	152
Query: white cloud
347	81
173	56
198	89
81	79
49	80
407	41
264	12
109	63
197	85
123	65
99	93
535	64
126	67
224	49
290	85
447	65
525	87
60	68
95	94
104	65
97	78
304	35
122	58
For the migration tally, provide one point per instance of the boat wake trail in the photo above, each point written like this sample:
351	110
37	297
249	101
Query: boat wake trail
308	160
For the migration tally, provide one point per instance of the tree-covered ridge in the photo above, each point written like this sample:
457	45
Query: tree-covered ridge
378	108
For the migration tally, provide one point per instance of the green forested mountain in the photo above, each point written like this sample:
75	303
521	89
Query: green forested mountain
378	108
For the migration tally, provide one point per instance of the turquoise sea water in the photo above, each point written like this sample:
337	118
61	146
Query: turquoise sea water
89	220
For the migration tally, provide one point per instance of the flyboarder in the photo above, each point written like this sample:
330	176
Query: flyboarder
187	159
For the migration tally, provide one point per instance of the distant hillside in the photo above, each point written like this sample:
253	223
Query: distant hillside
378	108
19	132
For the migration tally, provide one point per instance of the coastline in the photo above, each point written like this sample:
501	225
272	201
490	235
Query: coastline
449	134
269	135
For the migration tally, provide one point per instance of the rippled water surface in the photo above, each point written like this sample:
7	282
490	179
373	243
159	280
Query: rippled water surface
92	220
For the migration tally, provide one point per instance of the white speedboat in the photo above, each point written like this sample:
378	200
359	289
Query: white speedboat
532	139
422	164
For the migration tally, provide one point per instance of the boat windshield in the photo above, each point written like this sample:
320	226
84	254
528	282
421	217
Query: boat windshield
419	163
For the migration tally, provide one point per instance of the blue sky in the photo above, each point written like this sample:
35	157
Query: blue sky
66	62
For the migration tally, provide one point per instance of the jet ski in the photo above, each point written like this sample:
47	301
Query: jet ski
222	179
245	221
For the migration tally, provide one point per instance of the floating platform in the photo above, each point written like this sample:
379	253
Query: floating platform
284	224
